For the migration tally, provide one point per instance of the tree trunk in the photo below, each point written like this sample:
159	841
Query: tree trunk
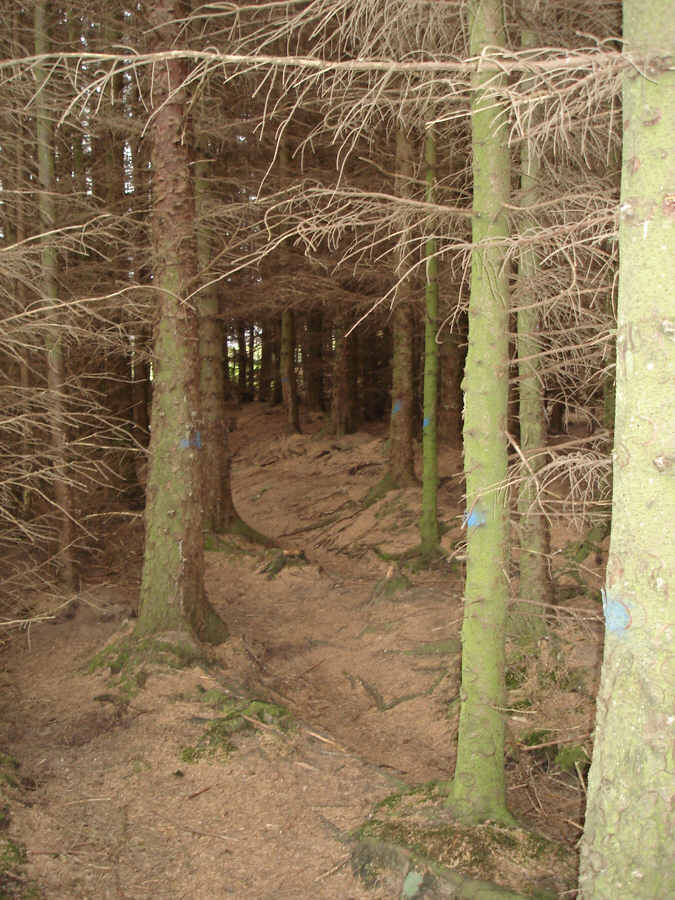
478	791
54	344
452	366
401	469
265	377
535	585
242	363
626	848
172	588
312	362
343	405
288	380
215	453
429	534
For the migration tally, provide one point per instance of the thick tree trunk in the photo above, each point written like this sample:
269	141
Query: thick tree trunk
429	534
478	791
626	849
172	588
53	343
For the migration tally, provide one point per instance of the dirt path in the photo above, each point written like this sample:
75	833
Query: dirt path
109	809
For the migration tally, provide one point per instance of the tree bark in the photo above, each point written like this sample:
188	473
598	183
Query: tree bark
401	469
53	343
626	849
478	791
343	405
429	534
172	589
289	385
535	584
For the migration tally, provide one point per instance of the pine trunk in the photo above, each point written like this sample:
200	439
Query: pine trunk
535	585
401	470
53	343
478	791
626	849
429	534
172	589
288	379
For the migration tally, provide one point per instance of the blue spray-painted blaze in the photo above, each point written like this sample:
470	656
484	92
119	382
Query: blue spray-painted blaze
396	407
617	614
474	518
195	440
425	423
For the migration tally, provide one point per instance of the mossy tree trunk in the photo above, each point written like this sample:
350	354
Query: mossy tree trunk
429	534
535	584
477	791
172	588
626	848
54	342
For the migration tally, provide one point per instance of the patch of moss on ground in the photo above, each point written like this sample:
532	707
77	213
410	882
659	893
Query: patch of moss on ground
8	769
13	883
570	757
448	647
388	588
509	857
129	658
132	653
238	715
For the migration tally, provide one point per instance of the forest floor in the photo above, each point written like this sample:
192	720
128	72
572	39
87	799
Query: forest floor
104	800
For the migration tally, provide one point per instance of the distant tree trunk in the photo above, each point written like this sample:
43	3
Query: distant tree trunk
19	286
429	534
535	583
478	791
251	363
343	406
242	363
54	344
265	372
312	361
172	588
626	849
277	392
452	367
401	468
288	379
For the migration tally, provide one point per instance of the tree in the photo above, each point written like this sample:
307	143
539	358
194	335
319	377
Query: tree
401	467
533	526
54	341
429	533
627	843
477	791
172	588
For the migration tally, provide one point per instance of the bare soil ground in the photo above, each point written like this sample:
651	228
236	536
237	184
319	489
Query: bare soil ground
104	801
